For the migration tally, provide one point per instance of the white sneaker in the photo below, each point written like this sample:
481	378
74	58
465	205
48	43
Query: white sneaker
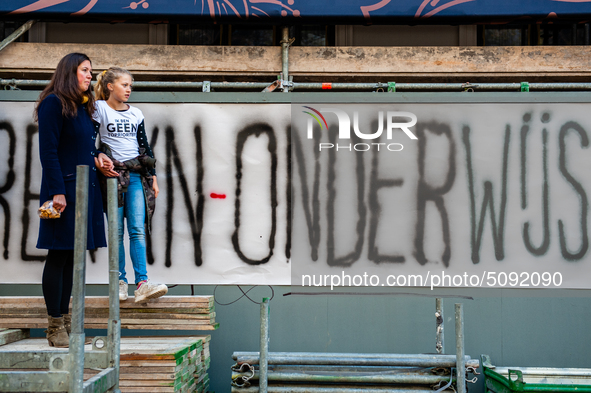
149	290
123	292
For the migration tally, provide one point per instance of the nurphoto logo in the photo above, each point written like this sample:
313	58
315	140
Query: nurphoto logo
392	123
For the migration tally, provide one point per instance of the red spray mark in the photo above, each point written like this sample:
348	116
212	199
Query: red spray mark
217	196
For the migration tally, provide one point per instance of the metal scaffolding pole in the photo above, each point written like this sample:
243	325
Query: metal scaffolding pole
285	43
15	34
386	377
390	87
114	326
79	289
461	362
263	363
331	389
439	322
353	359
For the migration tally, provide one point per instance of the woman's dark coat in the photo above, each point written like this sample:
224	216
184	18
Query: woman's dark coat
64	143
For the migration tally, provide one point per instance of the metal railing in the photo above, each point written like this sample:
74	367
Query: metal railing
279	372
66	369
283	85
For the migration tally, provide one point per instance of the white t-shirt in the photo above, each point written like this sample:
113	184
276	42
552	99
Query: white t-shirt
118	129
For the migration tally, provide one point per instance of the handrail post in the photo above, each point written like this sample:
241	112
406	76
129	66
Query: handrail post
460	360
76	351
439	322
264	352
285	58
114	326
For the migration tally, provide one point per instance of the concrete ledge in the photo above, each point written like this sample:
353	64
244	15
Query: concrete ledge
444	62
146	59
162	62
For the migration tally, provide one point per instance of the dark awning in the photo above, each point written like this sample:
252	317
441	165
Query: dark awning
301	11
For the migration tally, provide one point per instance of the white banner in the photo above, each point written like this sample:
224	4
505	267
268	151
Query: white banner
224	197
488	195
455	195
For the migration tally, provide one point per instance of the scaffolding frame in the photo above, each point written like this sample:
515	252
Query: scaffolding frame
289	86
66	369
285	83
299	360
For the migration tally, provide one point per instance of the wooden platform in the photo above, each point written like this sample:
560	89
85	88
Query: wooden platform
149	364
165	313
8	336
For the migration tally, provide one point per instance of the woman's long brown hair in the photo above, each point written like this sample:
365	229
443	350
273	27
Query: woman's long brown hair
64	84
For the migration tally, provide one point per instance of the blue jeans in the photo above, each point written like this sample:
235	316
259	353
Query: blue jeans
134	210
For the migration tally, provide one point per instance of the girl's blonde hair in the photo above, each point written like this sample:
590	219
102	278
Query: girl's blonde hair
104	78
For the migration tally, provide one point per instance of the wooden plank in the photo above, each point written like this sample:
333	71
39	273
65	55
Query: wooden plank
128	369
42	312
148	376
168	305
213	326
91	321
103	302
148	363
181	368
159	321
146	389
12	321
177	358
205	339
170	310
170	350
152	315
174	310
23	301
23	311
25	324
143	340
201	378
159	347
173	385
105	316
8	336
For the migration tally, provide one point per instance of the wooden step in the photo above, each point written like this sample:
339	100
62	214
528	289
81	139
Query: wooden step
165	313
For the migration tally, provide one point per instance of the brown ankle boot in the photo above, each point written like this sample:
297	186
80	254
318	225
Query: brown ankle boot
56	333
68	323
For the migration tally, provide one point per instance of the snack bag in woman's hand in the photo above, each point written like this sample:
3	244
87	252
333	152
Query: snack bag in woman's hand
48	211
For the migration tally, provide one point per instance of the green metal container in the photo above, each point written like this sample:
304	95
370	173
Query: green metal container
534	379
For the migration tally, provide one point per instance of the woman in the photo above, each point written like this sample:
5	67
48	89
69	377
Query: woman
67	139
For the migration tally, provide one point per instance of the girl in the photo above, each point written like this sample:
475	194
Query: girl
66	139
123	139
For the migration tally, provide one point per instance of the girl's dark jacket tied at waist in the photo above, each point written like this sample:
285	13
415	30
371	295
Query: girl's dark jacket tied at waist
142	164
